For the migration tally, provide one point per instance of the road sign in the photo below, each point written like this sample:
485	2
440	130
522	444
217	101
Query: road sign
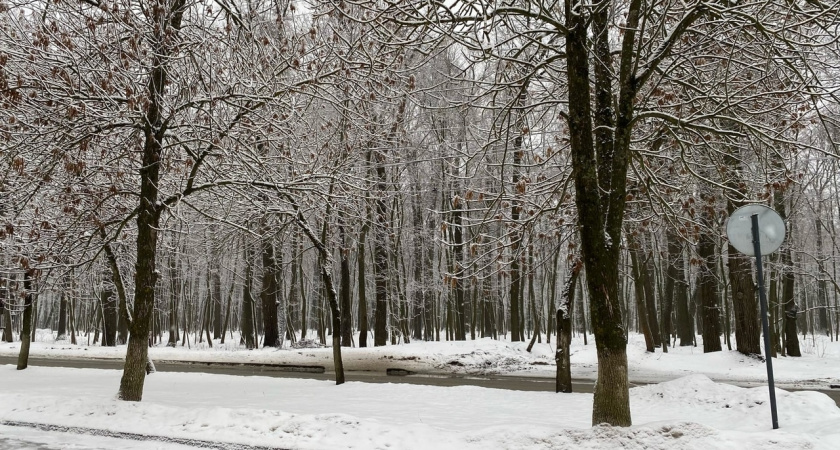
771	229
750	229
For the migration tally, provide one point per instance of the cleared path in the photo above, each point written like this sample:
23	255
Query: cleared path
318	373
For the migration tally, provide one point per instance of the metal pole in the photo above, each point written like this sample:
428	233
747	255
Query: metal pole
765	326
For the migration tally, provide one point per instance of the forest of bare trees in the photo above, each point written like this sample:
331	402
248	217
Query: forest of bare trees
365	173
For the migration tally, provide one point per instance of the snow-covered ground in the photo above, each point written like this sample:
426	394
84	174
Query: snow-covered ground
818	367
691	411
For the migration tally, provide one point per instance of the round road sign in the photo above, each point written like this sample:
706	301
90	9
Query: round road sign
771	229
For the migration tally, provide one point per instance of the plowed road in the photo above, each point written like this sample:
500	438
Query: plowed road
497	382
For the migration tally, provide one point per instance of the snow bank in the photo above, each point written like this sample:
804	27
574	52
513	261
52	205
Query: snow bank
689	413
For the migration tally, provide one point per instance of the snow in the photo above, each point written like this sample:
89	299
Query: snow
691	411
817	368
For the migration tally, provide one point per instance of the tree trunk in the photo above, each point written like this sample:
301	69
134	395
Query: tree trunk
744	304
600	159
362	277
268	294
5	311
742	287
821	322
227	314
26	329
62	318
648	277
6	316
457	270
109	318
295	290
345	299
676	287
786	273
149	210
639	282
336	322
707	289
174	296
247	319
380	257
516	332
565	313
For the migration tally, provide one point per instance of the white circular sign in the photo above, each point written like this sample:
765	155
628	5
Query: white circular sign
771	229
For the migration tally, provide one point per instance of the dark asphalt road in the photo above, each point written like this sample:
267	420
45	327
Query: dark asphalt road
496	382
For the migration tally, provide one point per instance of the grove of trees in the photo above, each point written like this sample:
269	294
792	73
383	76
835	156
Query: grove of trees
316	171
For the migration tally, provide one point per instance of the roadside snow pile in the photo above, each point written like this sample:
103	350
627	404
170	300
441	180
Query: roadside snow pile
489	357
730	407
688	413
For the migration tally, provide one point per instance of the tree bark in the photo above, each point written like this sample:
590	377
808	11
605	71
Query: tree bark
707	288
676	287
109	318
786	273
62	318
362	277
168	23
247	319
336	322
345	298
457	269
380	256
744	304
565	313
174	295
26	328
268	294
639	284
5	312
648	277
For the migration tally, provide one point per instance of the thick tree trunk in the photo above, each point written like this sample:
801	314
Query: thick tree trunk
380	249
5	313
362	277
707	288
648	277
174	295
345	298
742	287
62	318
247	318
821	323
145	278
268	294
600	152
516	288
638	283
744	304
168	20
216	279
565	313
381	266
227	314
295	292
26	329
457	270
109	318
336	322
788	299
676	287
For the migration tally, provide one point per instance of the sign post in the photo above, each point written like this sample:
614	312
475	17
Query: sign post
750	229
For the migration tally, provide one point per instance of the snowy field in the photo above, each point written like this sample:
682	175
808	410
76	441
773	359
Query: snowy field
691	411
